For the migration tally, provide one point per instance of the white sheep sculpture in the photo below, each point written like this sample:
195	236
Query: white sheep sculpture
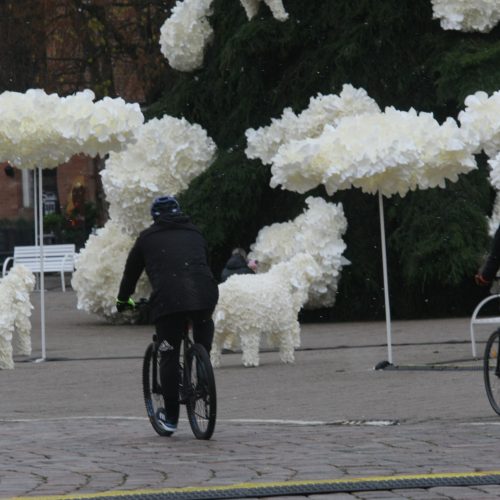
266	306
15	312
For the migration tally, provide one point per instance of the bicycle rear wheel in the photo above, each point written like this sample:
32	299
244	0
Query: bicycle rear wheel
491	370
199	390
153	398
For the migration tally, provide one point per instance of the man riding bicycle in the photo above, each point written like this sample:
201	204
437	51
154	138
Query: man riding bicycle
174	254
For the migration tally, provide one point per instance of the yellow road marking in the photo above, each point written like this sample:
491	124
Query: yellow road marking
248	486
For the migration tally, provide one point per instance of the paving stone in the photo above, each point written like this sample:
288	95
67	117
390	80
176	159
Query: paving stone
76	423
420	494
332	496
460	493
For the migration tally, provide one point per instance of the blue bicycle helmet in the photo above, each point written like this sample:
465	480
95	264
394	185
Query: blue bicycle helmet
165	205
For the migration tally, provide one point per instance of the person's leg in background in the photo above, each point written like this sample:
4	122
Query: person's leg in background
203	327
169	330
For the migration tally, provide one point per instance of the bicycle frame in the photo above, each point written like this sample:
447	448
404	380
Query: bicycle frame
196	385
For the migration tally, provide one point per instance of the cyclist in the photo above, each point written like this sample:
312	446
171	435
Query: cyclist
174	254
486	275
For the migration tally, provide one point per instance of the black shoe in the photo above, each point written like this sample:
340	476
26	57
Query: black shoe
164	423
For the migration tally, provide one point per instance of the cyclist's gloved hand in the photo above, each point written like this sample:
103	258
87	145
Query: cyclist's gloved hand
478	278
123	305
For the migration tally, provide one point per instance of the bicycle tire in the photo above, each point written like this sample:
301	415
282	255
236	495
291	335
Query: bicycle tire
200	392
153	398
491	370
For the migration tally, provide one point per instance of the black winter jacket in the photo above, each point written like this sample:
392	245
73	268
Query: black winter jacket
235	265
175	256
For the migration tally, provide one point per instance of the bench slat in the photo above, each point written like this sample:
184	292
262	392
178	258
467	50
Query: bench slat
487	321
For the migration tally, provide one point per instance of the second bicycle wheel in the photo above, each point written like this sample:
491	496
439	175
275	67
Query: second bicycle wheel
199	389
153	398
491	370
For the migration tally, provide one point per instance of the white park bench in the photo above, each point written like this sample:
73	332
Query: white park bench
56	259
488	320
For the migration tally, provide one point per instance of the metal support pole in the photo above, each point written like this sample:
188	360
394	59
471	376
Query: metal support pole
42	275
386	280
35	205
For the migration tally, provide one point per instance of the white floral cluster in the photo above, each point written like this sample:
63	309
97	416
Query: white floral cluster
495	171
99	267
45	130
481	123
264	306
390	152
15	312
467	15
185	34
276	6
318	232
168	155
265	142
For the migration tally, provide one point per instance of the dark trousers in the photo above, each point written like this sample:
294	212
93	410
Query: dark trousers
169	330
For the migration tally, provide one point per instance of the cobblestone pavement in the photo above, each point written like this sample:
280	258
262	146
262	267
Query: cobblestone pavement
75	423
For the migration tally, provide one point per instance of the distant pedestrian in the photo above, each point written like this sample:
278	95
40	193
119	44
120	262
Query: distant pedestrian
237	264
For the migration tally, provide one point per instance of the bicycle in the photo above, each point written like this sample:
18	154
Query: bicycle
491	370
196	391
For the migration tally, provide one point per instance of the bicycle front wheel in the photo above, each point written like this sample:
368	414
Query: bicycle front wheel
199	388
491	370
153	397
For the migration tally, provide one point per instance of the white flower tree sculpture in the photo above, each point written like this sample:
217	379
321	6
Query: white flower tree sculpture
15	312
276	6
185	35
167	155
322	110
318	232
40	130
467	15
481	124
385	153
45	130
98	270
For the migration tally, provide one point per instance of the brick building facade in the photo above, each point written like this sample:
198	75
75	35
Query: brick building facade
17	188
71	39
11	193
